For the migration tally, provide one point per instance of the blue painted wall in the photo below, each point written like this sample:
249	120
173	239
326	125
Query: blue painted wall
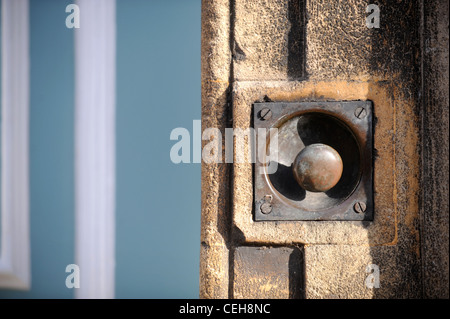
51	151
157	202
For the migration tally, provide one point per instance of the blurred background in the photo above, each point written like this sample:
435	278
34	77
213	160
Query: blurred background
157	202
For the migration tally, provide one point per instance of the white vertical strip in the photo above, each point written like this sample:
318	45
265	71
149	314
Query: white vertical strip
95	49
15	242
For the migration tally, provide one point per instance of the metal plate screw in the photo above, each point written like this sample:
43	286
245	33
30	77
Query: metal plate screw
265	114
360	112
266	207
360	207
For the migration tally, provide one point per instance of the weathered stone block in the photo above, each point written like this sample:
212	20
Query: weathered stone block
268	273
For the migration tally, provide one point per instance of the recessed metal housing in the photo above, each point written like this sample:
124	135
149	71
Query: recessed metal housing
346	126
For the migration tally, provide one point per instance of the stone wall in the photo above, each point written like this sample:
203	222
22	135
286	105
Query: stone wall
298	50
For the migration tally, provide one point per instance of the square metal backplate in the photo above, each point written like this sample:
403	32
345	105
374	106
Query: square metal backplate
344	125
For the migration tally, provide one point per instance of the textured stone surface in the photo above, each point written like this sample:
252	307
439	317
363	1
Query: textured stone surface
435	206
268	40
331	276
268	273
338	41
215	221
267	50
341	272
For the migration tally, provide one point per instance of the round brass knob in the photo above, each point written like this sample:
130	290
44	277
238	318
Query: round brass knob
317	168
